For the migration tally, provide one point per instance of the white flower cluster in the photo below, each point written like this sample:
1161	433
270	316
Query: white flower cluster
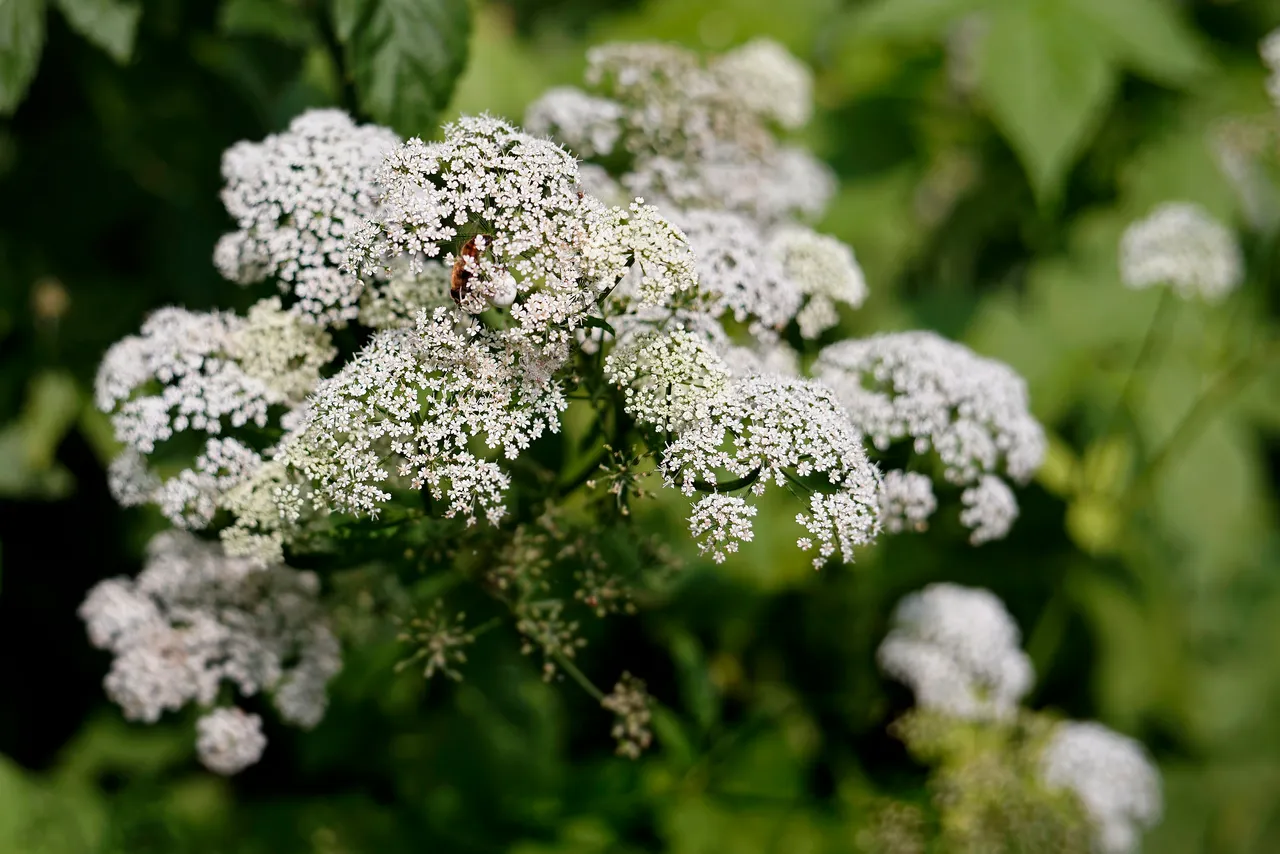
1112	776
771	429
416	397
229	740
719	522
296	197
906	501
1181	246
958	650
973	412
194	619
204	372
699	138
1270	52
669	381
990	509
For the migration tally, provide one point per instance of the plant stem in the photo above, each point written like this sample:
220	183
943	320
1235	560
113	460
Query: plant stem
1198	416
566	664
1149	343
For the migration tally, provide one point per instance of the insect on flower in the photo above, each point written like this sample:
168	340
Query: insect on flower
462	272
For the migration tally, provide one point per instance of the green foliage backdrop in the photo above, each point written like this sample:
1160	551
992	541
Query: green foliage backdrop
986	179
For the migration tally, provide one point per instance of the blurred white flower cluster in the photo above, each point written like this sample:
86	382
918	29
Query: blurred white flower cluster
1180	246
699	141
195	619
958	650
969	412
1112	776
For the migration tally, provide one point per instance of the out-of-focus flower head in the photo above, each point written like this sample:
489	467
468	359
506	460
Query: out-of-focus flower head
1181	246
957	649
195	619
1112	776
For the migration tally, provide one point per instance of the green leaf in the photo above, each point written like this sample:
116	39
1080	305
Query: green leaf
1046	80
1147	36
404	57
21	41
283	20
910	18
109	24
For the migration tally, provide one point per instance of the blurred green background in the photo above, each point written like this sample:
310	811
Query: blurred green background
987	171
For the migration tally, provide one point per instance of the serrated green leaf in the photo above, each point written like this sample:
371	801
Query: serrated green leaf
910	18
1046	79
21	41
283	20
109	24
404	57
1146	36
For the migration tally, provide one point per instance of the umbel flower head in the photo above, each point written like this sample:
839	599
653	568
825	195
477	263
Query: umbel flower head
296	197
958	650
698	135
771	430
194	620
1181	246
970	411
1112	776
1270	51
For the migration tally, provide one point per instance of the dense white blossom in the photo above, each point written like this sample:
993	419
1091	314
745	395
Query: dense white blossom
229	740
408	403
771	429
267	506
207	371
957	649
296	197
192	497
195	619
784	183
719	522
906	501
768	81
701	135
587	125
825	270
662	264
972	411
1112	776
842	519
736	267
990	509
199	388
668	381
1181	246
130	480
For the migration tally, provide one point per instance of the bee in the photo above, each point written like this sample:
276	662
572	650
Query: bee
461	274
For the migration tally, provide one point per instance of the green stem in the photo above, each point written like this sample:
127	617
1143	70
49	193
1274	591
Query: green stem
1198	417
1124	403
731	486
566	664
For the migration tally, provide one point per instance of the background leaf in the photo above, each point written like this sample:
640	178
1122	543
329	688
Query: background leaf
1046	82
110	24
1147	36
404	57
21	41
